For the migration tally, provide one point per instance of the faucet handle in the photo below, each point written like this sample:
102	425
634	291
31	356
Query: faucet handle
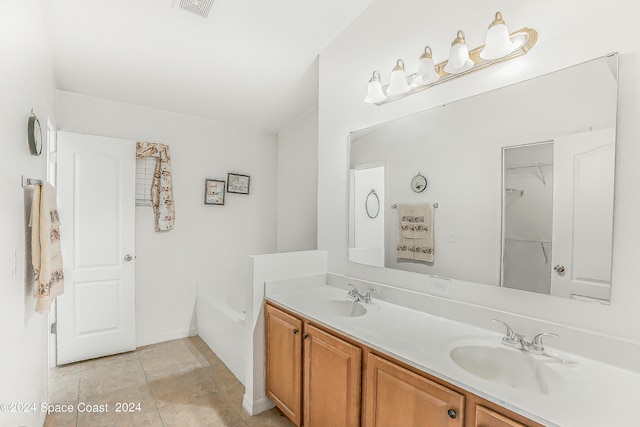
536	342
353	293
510	338
367	295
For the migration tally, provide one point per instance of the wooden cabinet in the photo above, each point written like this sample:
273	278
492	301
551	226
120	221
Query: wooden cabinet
485	417
332	373
317	379
396	396
284	362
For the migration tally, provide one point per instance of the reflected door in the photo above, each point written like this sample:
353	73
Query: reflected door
96	314
583	214
367	208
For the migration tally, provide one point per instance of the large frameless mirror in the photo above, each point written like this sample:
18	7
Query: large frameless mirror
522	178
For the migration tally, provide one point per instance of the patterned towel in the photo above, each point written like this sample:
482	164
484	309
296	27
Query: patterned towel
415	220
164	208
415	233
46	254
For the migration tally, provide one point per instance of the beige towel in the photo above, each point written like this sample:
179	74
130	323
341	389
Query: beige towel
415	233
415	220
46	255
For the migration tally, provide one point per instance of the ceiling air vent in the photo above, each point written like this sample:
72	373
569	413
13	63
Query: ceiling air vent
199	7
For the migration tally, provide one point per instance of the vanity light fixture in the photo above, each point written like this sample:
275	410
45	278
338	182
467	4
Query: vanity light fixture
500	46
398	83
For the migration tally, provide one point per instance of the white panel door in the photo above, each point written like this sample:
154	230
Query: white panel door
583	214
96	191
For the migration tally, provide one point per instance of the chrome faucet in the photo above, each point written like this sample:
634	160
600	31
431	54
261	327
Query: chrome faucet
516	340
361	297
535	346
510	338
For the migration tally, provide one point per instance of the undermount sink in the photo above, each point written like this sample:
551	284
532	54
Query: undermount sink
508	366
342	308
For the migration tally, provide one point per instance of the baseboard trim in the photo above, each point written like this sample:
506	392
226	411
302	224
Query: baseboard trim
142	341
258	406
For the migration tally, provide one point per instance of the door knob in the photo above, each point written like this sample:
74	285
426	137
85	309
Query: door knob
559	269
128	257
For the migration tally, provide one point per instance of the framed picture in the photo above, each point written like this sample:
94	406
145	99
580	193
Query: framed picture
237	183
213	192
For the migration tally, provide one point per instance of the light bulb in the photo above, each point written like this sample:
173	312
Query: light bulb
498	43
427	72
398	81
459	60
374	90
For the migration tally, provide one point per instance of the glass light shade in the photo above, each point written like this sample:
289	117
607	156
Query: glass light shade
427	72
374	90
459	59
398	81
498	43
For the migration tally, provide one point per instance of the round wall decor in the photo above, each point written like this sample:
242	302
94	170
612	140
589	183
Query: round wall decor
35	135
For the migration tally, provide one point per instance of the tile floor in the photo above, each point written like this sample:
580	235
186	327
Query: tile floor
179	383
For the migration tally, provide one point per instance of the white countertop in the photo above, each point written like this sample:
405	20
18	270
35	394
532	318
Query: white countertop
584	392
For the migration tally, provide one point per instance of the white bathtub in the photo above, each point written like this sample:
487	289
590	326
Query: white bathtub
221	324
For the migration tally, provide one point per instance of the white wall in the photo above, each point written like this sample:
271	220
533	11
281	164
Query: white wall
26	82
210	245
298	183
567	37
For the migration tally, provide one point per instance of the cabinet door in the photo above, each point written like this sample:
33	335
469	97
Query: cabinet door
332	375
487	418
284	362
396	396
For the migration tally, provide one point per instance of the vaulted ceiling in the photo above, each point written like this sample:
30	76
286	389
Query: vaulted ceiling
251	62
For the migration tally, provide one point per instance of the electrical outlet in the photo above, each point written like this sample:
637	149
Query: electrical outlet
438	287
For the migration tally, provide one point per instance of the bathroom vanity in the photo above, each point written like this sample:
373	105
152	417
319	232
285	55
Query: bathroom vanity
333	361
315	376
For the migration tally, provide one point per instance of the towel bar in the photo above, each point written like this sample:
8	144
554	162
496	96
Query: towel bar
394	206
30	181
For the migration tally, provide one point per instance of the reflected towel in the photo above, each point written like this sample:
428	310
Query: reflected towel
415	233
46	254
415	220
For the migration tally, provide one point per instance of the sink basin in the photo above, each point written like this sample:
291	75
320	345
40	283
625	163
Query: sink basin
508	366
342	308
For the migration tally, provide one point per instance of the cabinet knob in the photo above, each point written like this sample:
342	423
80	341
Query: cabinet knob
559	269
295	331
305	336
452	414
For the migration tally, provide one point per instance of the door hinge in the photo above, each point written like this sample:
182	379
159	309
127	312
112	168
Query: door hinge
54	328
